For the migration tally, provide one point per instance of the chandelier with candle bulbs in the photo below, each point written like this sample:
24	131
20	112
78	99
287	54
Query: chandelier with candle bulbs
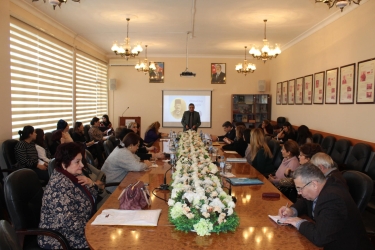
124	49
55	3
267	52
143	66
245	67
339	3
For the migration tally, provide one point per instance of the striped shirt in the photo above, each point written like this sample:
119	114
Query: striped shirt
26	154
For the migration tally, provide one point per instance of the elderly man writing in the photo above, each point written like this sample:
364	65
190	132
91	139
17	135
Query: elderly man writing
337	222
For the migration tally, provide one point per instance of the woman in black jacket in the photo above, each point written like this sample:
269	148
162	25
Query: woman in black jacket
239	144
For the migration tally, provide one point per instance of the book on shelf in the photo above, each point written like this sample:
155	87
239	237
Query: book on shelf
241	99
244	118
249	99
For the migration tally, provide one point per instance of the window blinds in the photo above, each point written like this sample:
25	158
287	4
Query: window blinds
91	88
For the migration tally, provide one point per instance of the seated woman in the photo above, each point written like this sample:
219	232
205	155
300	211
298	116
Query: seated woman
304	135
105	122
61	135
123	159
239	144
267	127
94	132
152	133
306	151
43	153
261	156
69	199
27	155
144	152
290	152
287	133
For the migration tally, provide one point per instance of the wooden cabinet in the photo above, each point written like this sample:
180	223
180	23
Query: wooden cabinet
251	109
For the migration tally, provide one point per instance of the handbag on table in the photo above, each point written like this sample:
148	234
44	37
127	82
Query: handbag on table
135	197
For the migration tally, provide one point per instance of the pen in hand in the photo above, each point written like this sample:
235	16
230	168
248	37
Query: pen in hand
286	206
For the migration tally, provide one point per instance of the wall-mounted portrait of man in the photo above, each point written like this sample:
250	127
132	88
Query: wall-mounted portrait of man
157	75
218	74
178	106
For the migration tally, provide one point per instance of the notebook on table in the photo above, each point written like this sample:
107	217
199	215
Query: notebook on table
245	181
230	159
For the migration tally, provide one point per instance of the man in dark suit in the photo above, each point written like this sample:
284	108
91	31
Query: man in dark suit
230	132
337	222
219	76
325	163
191	119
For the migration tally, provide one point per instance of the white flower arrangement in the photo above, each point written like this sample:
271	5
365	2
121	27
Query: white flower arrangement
198	201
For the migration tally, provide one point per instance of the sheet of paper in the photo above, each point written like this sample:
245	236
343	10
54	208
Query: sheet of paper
128	217
277	219
227	175
230	152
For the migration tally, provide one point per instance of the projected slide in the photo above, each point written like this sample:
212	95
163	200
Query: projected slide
176	102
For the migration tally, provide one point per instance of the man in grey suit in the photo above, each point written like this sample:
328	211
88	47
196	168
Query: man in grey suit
191	119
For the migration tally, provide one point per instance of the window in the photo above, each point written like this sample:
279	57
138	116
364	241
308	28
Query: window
42	87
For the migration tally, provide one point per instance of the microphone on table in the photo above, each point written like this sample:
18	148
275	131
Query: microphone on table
124	111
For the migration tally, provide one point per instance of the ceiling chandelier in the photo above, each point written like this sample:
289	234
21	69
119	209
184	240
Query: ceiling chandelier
267	52
339	3
55	3
144	67
245	67
124	49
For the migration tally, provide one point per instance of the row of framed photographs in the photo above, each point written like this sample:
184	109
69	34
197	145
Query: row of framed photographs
322	86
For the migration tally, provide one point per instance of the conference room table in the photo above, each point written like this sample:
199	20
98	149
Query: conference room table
256	229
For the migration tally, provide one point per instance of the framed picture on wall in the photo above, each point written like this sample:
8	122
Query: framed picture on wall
218	73
331	86
157	75
284	92
278	93
291	92
365	81
298	91
307	89
318	87
347	78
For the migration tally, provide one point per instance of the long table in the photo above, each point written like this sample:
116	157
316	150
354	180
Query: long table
256	230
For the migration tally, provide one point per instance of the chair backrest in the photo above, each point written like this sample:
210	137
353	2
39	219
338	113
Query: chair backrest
86	129
327	144
8	152
108	147
360	187
4	215
48	139
8	237
89	158
115	142
371	169
23	195
274	146
51	166
317	138
358	157
71	131
340	151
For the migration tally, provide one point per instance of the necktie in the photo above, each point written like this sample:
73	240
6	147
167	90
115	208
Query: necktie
313	207
191	120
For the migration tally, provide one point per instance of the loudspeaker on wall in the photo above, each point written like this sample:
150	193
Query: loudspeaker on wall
261	85
112	84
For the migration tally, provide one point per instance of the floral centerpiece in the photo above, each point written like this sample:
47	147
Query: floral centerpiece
198	202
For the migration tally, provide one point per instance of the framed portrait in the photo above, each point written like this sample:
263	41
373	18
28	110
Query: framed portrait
307	89
218	73
331	86
284	92
291	92
298	91
365	81
157	75
347	78
318	87
278	93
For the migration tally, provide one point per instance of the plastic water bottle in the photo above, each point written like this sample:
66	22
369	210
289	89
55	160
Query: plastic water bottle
222	164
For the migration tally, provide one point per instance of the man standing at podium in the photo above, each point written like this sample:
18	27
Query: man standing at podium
191	119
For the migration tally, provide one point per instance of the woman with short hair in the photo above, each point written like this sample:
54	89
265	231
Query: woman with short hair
152	132
68	201
123	159
27	155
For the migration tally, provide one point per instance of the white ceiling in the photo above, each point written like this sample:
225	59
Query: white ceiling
222	27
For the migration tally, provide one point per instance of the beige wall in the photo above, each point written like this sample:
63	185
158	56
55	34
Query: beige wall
145	99
349	39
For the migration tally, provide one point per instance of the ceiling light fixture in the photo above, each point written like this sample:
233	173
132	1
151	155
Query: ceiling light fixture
339	3
144	67
187	73
55	3
267	52
124	49
245	67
